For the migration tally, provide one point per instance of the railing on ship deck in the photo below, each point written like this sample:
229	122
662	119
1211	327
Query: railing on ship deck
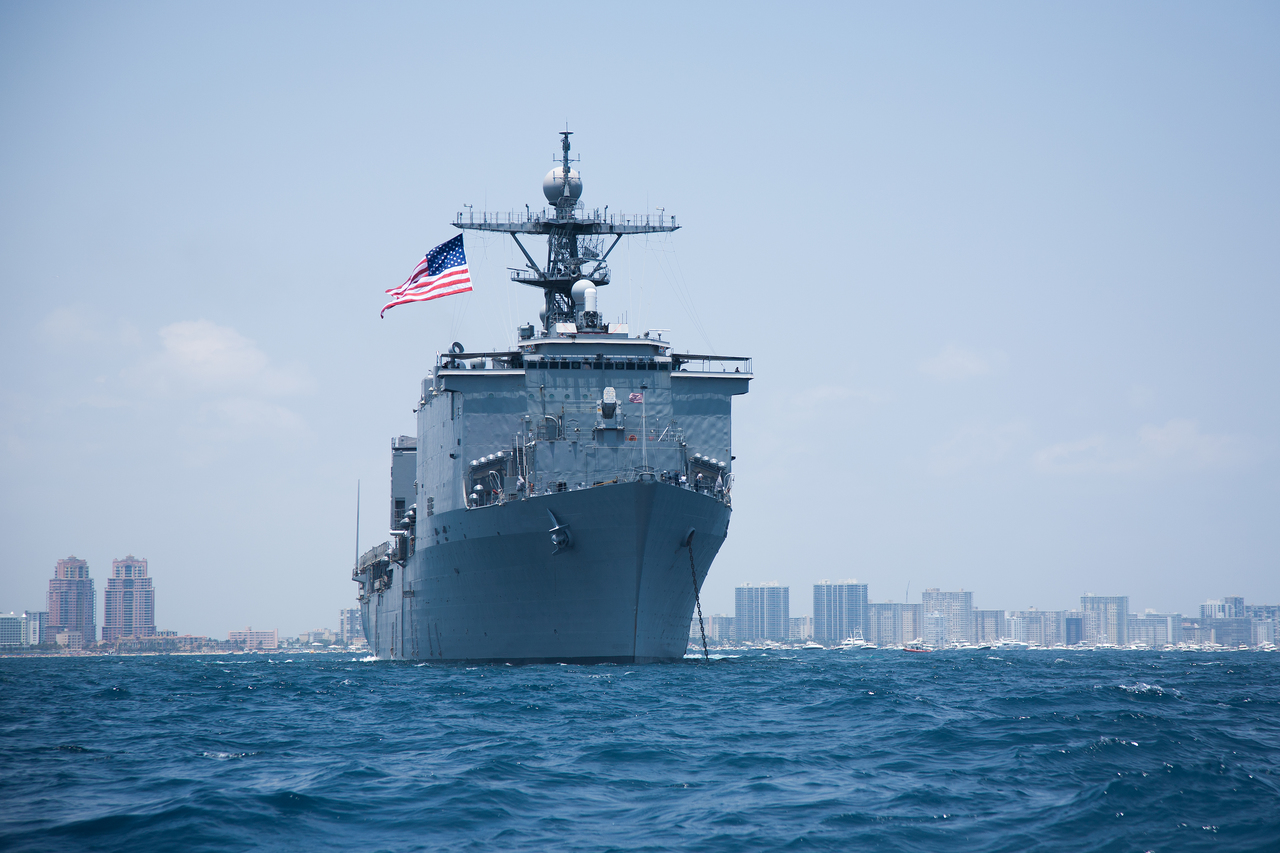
713	363
542	486
580	213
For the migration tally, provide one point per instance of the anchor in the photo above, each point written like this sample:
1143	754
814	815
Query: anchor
561	537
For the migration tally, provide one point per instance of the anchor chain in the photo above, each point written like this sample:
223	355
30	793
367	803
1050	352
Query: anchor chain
698	601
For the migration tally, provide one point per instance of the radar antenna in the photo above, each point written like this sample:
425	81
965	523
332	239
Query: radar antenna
575	251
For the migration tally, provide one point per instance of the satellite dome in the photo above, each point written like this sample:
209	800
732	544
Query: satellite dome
553	184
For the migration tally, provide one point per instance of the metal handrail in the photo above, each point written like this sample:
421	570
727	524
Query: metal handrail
708	364
515	217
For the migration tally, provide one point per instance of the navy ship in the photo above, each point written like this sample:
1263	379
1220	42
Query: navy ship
563	500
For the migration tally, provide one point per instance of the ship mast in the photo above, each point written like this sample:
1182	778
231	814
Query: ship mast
575	241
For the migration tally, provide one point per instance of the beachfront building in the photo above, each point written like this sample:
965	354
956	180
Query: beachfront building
11	630
350	628
936	629
25	630
719	628
801	629
839	611
251	640
1038	627
1111	625
893	624
129	602
957	607
989	626
73	619
1155	630
1230	607
761	613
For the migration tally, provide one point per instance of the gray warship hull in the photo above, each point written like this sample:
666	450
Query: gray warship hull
489	588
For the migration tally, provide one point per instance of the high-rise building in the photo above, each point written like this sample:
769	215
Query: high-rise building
1225	632
761	612
719	628
801	628
890	624
129	602
988	625
72	606
11	630
1073	628
36	628
1155	629
1263	611
957	607
350	628
1039	627
1231	607
1112	619
1055	627
936	629
1024	626
839	611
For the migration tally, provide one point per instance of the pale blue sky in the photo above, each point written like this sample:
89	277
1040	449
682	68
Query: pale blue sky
1008	273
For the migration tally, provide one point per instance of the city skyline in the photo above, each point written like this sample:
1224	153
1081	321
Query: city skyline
762	612
800	608
948	619
871	599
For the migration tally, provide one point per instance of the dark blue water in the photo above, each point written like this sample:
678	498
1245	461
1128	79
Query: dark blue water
1124	751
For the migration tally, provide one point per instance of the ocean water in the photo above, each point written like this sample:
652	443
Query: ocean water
884	751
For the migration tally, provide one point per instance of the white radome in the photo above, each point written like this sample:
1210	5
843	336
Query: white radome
553	184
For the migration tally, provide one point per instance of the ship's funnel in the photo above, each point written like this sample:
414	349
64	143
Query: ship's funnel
553	185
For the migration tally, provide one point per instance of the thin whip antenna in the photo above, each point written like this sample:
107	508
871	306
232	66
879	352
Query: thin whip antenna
357	523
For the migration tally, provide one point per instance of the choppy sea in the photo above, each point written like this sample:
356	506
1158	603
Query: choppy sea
807	750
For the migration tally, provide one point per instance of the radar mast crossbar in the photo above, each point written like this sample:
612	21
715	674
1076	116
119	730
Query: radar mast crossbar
574	239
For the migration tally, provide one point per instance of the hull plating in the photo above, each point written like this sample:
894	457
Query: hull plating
484	584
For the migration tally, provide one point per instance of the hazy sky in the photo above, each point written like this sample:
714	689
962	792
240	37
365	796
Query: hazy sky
1008	273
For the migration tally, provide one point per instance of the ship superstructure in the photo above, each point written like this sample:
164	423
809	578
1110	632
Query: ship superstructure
557	493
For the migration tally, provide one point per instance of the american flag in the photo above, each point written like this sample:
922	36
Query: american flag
636	397
443	272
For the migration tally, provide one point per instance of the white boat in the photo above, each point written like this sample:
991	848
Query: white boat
856	642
